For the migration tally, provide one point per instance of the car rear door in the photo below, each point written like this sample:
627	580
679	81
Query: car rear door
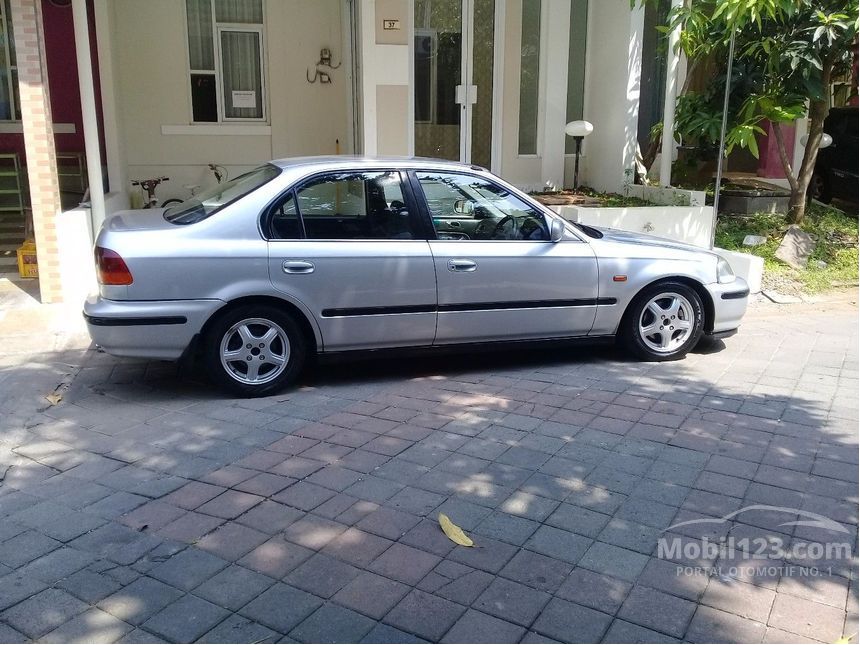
498	275
352	248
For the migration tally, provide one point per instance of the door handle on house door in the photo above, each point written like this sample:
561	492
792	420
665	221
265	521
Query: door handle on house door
298	266
462	265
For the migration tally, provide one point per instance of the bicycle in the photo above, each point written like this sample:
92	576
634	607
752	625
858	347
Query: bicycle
149	186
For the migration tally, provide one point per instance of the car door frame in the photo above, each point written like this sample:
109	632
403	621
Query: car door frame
417	222
588	305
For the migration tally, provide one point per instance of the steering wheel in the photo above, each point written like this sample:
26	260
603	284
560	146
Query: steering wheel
507	222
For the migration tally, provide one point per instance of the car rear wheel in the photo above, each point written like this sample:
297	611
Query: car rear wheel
663	323
254	350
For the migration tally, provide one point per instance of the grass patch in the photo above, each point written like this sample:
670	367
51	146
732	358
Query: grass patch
836	235
606	200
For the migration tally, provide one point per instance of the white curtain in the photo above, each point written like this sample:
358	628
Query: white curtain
243	11
240	59
200	48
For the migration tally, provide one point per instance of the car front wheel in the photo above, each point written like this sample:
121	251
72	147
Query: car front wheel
663	323
254	350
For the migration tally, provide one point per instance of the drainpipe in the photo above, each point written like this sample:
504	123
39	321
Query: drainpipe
673	59
88	109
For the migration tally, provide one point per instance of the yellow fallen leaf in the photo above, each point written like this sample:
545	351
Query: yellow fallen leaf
54	399
454	532
844	640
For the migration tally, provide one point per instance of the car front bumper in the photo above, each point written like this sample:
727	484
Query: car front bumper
730	304
146	329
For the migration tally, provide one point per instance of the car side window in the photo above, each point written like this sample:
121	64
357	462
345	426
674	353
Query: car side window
284	220
355	206
464	207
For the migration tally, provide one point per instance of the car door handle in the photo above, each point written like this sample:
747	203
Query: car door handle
462	265
298	266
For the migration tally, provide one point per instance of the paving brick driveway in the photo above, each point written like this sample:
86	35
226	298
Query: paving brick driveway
144	507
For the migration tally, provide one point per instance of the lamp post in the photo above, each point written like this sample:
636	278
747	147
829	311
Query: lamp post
578	130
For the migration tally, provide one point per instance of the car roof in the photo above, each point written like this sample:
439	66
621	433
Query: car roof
358	161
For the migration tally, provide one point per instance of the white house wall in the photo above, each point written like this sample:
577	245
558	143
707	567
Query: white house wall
613	72
154	102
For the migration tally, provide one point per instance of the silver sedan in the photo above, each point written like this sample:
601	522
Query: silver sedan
316	255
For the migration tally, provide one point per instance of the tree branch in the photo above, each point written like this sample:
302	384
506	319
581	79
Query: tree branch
783	155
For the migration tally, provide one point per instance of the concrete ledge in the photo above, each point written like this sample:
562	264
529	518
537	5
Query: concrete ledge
665	195
747	266
690	224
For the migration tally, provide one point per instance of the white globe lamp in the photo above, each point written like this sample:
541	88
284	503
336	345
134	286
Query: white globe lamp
826	140
578	130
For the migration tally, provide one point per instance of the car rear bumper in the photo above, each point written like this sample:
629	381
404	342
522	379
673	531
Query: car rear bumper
146	329
730	305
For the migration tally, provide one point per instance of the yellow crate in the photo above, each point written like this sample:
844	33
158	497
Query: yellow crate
28	266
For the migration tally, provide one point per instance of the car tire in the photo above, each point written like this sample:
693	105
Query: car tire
663	305
254	350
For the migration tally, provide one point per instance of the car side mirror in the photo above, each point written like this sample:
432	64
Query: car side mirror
463	207
556	230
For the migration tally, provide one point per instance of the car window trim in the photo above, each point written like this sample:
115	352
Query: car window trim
413	173
406	189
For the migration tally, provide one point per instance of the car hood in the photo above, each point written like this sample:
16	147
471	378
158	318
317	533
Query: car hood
145	219
643	239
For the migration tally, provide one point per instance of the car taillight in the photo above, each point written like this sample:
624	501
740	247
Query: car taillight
111	268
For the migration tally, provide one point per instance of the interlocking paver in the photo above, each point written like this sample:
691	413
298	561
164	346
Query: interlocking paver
477	627
594	590
655	610
231	541
92	626
43	612
321	575
332	624
371	594
357	547
233	587
512	601
714	626
275	557
186	619
281	607
188	569
404	563
613	561
237	629
568	623
139	600
456	582
424	615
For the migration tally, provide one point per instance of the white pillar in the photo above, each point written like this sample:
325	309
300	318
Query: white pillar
88	110
673	59
556	13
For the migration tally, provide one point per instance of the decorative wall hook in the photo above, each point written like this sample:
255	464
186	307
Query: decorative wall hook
322	75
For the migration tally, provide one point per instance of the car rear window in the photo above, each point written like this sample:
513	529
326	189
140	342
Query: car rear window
208	202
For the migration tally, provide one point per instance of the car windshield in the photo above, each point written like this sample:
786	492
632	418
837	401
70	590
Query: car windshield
211	200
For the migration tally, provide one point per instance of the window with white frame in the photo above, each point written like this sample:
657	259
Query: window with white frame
9	102
225	54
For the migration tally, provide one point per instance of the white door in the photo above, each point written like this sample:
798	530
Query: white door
454	53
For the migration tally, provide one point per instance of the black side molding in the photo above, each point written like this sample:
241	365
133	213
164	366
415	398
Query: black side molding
471	306
101	321
735	295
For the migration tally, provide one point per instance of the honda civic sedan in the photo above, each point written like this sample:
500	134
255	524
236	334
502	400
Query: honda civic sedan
322	255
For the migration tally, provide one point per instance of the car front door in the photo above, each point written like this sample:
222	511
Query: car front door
352	248
498	274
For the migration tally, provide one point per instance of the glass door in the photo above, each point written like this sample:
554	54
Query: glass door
453	79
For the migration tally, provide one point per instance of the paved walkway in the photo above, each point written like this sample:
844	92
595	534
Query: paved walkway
140	506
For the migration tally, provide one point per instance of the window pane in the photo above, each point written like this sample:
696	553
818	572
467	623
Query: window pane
210	201
285	220
349	206
576	66
201	54
471	208
242	75
529	77
245	11
204	98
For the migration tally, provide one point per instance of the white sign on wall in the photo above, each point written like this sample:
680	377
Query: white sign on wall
244	99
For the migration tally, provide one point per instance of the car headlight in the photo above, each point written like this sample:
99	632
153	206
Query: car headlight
724	272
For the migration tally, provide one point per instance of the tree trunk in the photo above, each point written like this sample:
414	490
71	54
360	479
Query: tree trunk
818	111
